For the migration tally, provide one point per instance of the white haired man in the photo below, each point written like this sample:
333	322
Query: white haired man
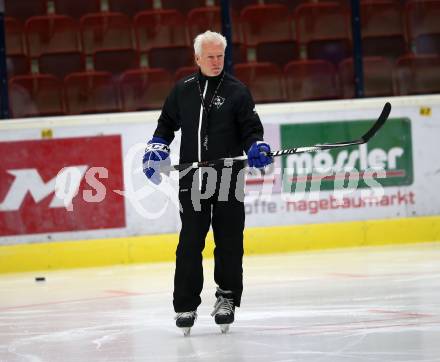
216	115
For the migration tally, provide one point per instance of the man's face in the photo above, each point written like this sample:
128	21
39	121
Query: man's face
212	59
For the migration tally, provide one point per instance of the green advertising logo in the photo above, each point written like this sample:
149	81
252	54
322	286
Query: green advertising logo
390	150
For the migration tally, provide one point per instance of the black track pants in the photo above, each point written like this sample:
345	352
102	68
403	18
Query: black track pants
227	220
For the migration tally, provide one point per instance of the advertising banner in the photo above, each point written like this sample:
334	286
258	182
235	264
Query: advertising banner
85	181
59	185
390	150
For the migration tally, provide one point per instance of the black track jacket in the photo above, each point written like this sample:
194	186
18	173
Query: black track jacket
230	127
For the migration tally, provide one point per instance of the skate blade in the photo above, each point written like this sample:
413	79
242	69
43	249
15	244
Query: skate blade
224	328
186	331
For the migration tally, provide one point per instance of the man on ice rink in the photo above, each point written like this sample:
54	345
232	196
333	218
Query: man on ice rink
216	115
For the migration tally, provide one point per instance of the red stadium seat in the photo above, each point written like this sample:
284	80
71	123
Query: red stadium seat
90	92
202	19
311	80
184	72
14	37
106	31
423	25
171	58
417	75
382	28
158	28
265	23
18	64
344	3
24	9
36	95
280	53
62	63
116	61
130	7
183	6
77	8
291	4
51	34
239	53
238	5
263	79
378	80
143	89
323	31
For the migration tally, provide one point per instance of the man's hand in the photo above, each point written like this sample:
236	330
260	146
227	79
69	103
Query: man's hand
258	155
156	156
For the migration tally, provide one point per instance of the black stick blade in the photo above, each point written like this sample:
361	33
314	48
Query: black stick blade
379	123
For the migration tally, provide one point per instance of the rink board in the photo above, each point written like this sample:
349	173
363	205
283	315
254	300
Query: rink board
161	247
106	212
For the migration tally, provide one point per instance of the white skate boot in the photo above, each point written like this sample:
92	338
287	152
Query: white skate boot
224	309
185	321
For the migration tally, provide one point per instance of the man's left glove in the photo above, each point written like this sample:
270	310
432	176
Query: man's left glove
156	156
258	155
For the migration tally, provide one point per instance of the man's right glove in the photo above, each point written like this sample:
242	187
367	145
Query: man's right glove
258	155
156	156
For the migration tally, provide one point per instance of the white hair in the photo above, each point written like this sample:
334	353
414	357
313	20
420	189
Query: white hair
208	37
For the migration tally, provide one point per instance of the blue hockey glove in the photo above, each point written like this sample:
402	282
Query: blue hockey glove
257	155
156	156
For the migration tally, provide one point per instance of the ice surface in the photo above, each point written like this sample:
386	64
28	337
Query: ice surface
366	304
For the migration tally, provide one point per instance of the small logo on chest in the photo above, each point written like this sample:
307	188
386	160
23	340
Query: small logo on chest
218	101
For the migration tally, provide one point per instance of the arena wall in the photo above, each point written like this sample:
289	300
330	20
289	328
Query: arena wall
72	191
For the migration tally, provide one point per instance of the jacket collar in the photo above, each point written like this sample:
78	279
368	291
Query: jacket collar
202	78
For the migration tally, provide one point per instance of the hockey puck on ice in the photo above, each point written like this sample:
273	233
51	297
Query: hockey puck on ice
40	279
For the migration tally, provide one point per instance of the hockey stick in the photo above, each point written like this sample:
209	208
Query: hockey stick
228	162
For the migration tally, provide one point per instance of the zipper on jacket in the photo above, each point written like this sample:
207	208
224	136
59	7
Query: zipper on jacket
199	145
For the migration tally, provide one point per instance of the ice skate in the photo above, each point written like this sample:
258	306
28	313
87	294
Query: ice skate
185	321
224	310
